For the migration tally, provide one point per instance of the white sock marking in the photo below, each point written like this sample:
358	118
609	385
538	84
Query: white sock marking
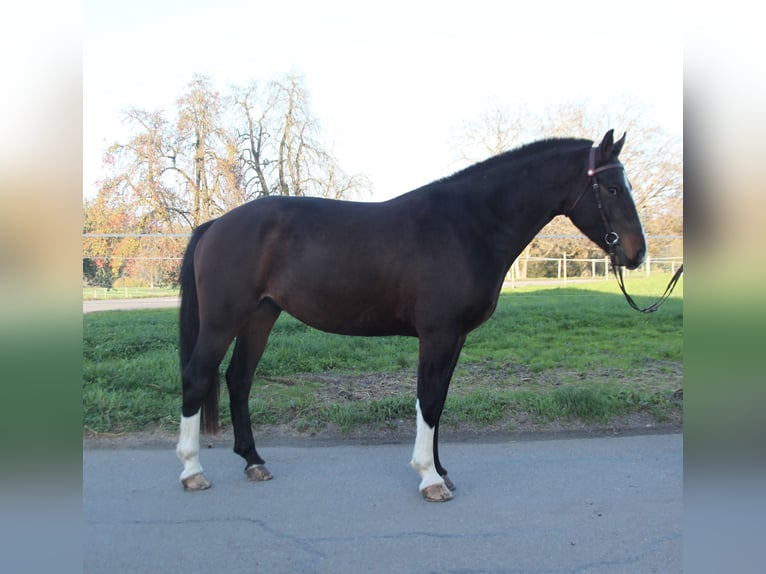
423	453
188	445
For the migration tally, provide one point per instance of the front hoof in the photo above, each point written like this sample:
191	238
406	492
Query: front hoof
195	482
448	483
437	493
258	473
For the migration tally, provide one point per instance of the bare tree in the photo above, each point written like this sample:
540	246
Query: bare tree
203	153
175	174
491	132
218	152
252	139
221	151
280	144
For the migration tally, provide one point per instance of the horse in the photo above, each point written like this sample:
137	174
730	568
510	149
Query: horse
428	264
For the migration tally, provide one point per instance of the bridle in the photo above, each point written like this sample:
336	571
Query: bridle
612	238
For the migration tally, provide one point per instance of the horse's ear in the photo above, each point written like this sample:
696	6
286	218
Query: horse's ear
606	146
618	145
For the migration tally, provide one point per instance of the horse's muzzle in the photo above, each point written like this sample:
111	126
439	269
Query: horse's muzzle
631	251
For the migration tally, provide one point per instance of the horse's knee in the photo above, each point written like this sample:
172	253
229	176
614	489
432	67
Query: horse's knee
196	387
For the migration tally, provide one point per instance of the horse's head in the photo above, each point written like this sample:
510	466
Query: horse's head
604	209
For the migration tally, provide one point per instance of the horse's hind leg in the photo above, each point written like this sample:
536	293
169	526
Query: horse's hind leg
199	377
248	350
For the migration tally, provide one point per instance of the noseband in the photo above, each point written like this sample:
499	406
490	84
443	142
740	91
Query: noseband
612	237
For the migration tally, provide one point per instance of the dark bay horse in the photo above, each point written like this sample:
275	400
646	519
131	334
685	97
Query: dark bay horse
427	264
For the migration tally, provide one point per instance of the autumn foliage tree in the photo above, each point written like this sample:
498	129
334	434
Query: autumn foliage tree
214	153
222	150
105	258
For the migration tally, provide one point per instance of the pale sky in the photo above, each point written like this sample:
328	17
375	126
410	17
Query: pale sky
389	81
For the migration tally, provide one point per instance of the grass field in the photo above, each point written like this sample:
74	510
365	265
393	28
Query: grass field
574	352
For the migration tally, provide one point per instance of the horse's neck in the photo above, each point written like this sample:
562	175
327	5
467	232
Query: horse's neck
523	208
521	227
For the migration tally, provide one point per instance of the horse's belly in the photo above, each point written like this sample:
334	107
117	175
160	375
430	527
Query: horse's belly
348	319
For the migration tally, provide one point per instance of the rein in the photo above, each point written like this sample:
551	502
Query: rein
654	306
612	237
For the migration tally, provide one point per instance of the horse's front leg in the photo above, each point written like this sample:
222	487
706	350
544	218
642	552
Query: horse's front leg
438	357
439	468
432	485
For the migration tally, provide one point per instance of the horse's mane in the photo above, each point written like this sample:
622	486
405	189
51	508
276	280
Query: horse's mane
536	151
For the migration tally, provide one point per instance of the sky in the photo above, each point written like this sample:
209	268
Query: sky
389	81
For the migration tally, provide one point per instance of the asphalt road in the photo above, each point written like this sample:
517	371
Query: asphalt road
91	305
585	506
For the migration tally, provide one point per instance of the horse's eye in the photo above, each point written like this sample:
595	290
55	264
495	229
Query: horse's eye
612	190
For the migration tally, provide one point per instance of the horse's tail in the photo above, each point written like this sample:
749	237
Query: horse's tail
189	328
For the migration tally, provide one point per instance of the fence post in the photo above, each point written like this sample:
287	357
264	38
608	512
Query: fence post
648	265
606	268
565	267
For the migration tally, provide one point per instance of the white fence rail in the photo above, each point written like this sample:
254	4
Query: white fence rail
598	267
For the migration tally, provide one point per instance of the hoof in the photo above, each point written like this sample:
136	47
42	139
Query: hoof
258	473
195	482
437	493
448	483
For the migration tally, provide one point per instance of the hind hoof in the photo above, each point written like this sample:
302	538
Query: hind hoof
448	483
258	473
437	493
195	482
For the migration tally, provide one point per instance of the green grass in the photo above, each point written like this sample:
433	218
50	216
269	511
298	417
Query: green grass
551	353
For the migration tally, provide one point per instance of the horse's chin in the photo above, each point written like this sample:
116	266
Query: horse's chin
629	261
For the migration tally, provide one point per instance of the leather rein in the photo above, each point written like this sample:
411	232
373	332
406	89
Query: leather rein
612	237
